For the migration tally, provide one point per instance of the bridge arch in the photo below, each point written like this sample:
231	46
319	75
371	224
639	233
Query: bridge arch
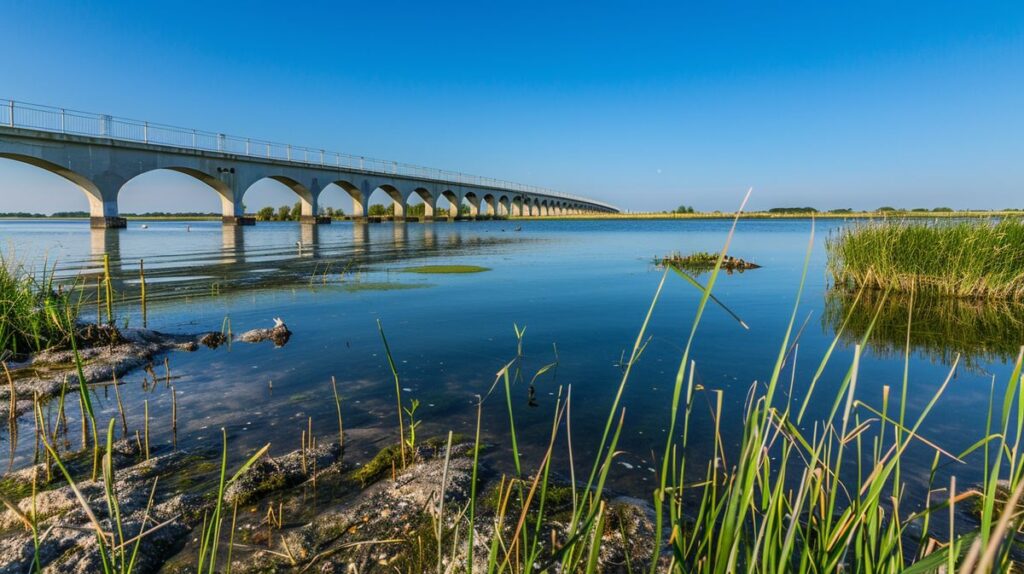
307	199
474	204
490	207
100	204
224	191
398	199
429	201
504	206
359	199
454	203
517	206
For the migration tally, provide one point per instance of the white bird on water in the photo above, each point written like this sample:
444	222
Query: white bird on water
144	226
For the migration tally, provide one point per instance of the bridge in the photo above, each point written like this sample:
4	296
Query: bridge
99	153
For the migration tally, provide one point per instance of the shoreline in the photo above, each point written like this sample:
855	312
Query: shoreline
868	215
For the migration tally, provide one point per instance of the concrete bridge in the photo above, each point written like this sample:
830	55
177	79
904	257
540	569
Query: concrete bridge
100	153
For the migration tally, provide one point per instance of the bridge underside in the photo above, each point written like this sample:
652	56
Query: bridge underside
100	167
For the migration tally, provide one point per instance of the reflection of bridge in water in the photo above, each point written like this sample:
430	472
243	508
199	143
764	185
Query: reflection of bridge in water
100	153
235	264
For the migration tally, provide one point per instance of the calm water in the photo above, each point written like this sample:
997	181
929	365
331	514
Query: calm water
580	288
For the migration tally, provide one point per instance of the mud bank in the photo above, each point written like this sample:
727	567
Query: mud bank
304	511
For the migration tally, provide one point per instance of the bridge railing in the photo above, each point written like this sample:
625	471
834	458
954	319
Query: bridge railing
61	120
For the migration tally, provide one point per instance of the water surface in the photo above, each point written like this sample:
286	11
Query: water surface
579	288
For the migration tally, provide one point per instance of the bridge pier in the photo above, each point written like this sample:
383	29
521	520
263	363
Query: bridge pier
238	220
104	222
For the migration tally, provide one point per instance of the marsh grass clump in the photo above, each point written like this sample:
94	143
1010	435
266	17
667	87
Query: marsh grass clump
702	261
970	259
34	313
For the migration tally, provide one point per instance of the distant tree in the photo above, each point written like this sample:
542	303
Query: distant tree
284	213
296	211
70	214
378	210
792	210
886	209
920	209
841	210
463	209
943	210
684	209
418	210
265	214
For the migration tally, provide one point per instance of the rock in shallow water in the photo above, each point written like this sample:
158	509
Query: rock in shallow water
279	334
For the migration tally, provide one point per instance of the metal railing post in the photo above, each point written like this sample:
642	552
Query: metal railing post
289	152
10	120
321	158
194	139
246	146
145	132
62	130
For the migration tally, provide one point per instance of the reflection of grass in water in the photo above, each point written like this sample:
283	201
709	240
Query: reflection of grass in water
941	327
445	269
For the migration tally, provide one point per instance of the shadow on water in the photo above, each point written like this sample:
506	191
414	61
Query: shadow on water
981	332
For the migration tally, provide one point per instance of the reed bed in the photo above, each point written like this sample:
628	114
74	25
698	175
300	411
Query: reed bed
34	314
972	259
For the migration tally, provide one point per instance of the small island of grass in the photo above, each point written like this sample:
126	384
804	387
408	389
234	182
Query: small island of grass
445	269
703	261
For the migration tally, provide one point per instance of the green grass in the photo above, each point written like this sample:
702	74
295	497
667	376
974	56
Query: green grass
444	269
34	314
971	259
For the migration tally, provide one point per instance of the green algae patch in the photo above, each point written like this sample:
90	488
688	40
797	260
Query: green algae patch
445	269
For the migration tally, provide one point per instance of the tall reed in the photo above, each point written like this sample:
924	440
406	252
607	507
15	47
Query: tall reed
976	258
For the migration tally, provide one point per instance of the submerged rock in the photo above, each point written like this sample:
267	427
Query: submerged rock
279	334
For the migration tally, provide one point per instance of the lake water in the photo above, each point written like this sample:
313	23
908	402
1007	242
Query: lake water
579	288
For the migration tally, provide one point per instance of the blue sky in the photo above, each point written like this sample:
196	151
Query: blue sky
646	105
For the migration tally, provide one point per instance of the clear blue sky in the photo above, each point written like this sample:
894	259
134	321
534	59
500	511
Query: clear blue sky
646	105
